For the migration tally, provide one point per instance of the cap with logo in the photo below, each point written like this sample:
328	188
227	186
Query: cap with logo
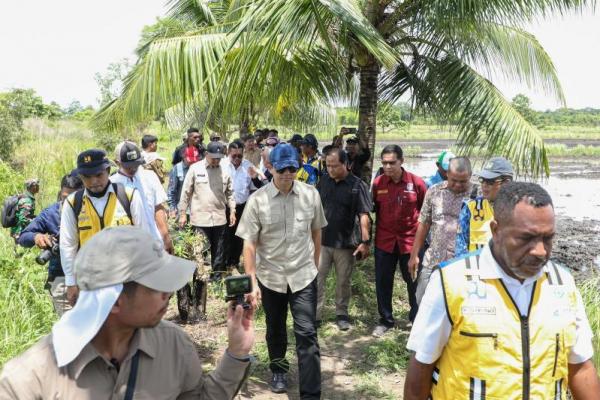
310	140
496	167
92	162
284	155
128	155
215	150
444	159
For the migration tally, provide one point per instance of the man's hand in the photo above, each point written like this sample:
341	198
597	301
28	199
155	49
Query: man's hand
413	265
363	249
232	219
240	330
168	244
254	297
43	241
72	294
182	220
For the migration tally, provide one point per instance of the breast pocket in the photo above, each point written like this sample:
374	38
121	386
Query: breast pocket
302	223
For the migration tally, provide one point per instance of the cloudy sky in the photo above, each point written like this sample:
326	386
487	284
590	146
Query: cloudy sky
57	46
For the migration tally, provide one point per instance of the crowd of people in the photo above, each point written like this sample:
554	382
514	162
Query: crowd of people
490	315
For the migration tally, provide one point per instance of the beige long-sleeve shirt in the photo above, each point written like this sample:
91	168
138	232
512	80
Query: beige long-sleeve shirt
207	190
169	368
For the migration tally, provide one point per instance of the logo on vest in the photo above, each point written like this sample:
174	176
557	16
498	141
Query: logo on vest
476	289
478	310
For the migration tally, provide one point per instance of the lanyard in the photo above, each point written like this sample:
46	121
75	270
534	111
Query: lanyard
132	376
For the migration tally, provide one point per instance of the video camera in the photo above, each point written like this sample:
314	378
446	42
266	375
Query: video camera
237	287
47	254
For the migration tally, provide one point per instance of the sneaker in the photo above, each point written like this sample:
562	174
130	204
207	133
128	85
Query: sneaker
278	382
380	330
342	323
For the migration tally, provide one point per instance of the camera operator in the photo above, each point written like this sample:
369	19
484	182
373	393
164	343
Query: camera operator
43	232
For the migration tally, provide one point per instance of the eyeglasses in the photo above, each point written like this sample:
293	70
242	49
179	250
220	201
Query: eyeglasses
292	170
491	182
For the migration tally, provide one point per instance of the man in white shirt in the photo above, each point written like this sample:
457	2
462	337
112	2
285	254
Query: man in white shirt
240	170
88	211
504	321
129	159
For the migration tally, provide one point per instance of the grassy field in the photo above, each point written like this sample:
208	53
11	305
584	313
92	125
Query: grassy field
26	312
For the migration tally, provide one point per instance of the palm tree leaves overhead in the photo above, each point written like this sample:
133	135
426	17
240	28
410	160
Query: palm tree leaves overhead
292	59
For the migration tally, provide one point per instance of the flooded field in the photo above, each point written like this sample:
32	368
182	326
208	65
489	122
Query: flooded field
574	185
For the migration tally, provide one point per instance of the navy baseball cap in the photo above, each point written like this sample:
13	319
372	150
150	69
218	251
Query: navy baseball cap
215	150
92	162
295	138
496	167
284	155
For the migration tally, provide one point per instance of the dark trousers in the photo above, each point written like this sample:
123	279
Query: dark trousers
216	238
385	268
234	244
303	305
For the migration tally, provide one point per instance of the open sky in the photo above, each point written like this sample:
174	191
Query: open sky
56	47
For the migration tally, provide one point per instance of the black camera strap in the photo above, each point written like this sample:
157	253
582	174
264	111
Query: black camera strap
132	376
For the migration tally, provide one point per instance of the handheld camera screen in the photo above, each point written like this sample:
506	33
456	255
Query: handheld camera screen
237	285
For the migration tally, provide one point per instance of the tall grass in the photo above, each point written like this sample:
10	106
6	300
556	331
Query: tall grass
590	292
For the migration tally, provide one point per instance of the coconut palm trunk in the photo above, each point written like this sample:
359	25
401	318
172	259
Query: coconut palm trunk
367	112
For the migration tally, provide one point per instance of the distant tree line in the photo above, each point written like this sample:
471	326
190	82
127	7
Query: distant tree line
398	116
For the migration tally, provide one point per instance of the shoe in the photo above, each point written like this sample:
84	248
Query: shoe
278	382
342	323
216	277
318	323
380	330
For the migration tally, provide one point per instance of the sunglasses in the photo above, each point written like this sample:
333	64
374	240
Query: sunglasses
292	170
491	182
236	156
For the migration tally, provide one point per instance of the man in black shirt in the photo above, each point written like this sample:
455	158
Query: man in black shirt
191	148
357	154
347	204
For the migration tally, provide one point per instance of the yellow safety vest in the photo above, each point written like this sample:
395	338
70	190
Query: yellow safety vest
482	214
493	352
89	222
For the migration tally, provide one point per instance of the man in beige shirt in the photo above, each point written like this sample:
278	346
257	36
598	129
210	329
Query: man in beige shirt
281	228
251	150
208	190
114	345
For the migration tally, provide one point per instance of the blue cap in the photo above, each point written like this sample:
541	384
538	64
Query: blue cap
284	155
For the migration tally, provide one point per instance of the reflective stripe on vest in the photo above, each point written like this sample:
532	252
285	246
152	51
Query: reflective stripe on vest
493	352
482	214
89	222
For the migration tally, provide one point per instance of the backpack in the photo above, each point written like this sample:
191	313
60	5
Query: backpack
9	211
122	197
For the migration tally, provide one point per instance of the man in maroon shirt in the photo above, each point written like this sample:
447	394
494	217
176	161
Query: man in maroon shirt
398	196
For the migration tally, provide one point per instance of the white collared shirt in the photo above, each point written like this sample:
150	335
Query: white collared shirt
242	183
431	329
154	194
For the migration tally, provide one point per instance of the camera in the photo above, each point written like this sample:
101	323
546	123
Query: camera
237	287
47	254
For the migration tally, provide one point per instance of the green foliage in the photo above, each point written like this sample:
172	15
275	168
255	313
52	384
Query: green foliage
590	293
10	130
391	116
111	81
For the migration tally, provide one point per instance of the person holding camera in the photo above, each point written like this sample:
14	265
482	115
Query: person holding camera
43	232
398	196
281	227
347	204
114	343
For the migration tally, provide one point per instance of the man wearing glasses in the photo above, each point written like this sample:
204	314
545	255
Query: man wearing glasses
281	228
474	221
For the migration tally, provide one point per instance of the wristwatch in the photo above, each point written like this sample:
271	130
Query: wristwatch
368	241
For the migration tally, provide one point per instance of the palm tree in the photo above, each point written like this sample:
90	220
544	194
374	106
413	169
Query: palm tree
441	54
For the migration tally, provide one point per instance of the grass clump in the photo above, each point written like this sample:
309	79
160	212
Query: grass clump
590	293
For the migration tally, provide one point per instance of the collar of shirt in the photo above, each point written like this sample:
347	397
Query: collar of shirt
89	353
273	191
109	190
490	269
